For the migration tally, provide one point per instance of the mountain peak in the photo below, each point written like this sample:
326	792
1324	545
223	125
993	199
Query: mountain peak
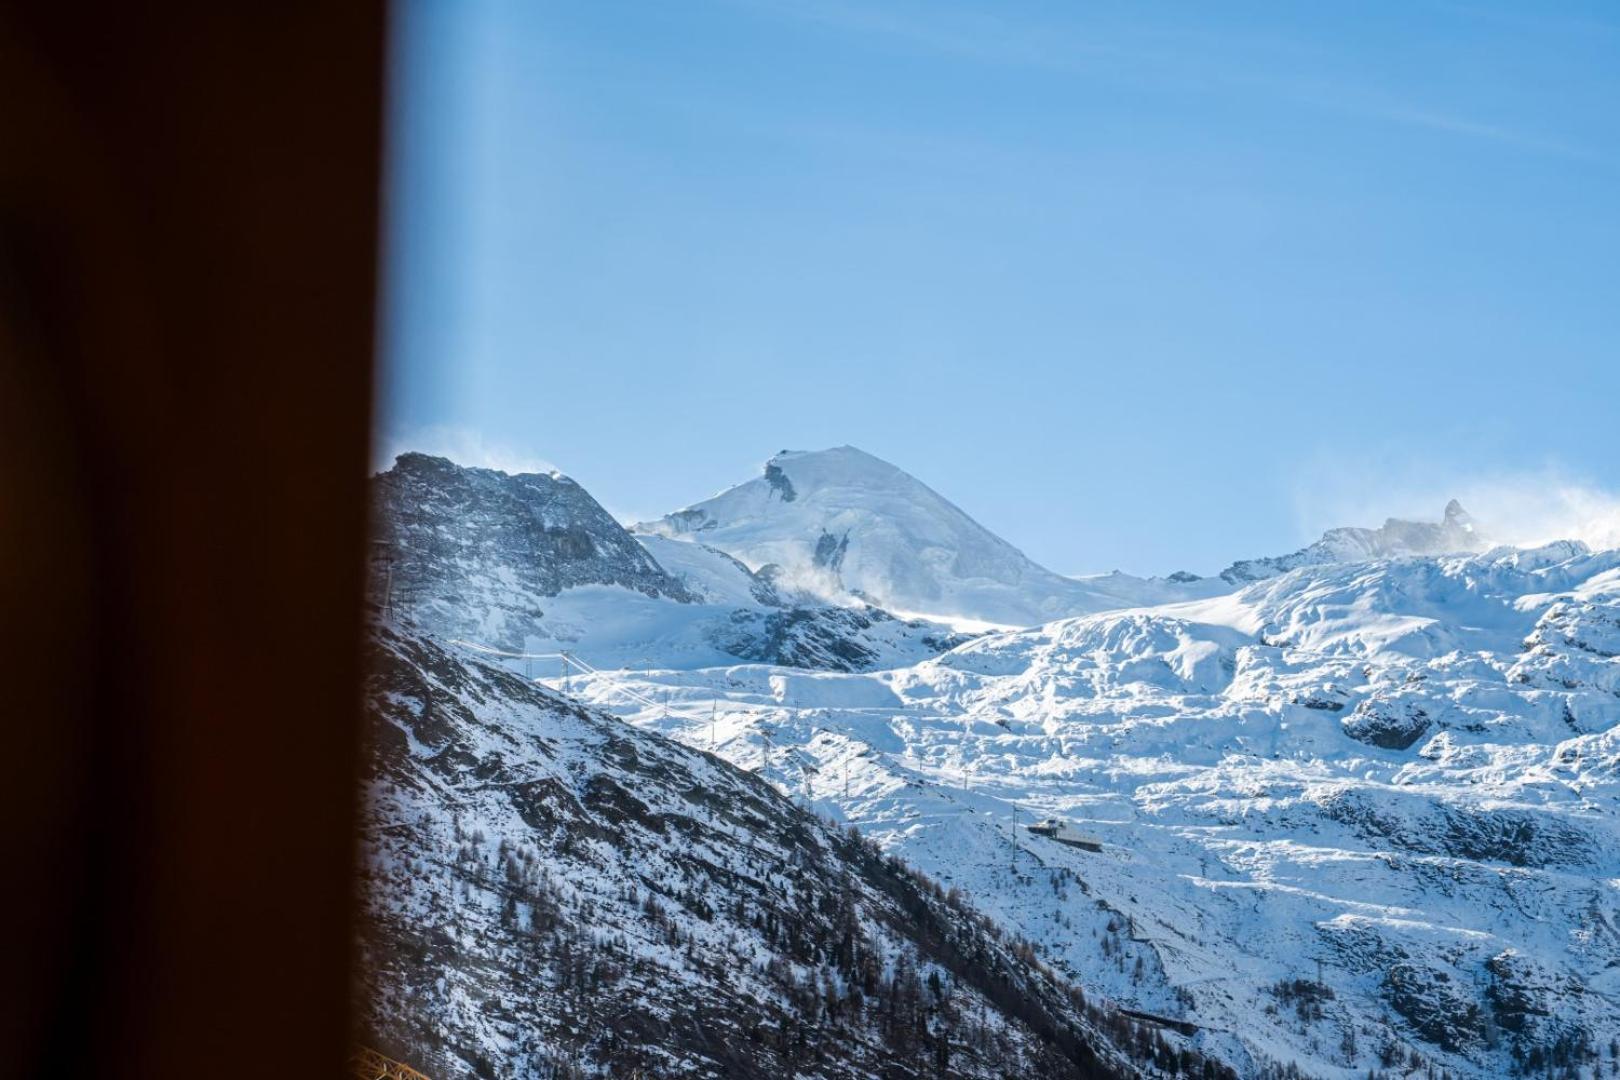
479	553
837	464
844	523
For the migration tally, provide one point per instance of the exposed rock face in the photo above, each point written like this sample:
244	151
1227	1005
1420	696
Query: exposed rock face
1529	1007
1516	837
551	892
1440	1011
1455	533
477	552
1391	725
823	638
830	551
779	482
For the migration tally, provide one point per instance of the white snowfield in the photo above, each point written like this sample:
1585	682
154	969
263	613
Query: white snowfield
840	521
1396	778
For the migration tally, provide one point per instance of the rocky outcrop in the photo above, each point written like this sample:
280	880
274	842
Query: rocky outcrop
1438	1009
1387	724
476	552
824	638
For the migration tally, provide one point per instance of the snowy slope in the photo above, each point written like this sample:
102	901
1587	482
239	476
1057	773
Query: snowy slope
532	564
711	575
841	522
549	892
1352	814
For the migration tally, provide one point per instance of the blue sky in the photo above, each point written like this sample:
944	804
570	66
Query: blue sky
1138	286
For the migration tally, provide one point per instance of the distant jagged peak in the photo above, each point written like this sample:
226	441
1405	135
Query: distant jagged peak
418	462
1455	533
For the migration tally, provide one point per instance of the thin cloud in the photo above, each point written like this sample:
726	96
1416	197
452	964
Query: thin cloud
1173	57
975	35
1530	17
1462	126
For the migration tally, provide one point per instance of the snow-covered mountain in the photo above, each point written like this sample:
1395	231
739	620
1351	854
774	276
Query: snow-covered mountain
532	563
1358	807
1455	533
479	553
550	892
1355	816
841	522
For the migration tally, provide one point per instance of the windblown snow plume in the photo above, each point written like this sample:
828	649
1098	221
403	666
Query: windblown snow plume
1524	509
1528	513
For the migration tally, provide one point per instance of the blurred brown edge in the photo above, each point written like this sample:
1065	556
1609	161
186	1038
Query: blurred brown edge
189	203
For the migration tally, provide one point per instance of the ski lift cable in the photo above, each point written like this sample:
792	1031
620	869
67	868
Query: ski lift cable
614	681
490	650
582	667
